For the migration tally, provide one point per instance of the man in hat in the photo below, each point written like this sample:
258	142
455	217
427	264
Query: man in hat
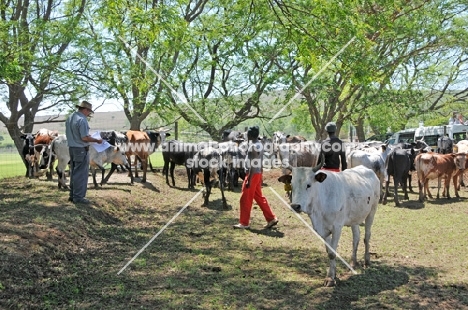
77	132
332	150
252	185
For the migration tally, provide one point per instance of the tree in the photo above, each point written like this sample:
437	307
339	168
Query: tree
35	38
396	47
209	62
235	64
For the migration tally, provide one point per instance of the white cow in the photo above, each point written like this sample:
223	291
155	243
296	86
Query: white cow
461	147
59	147
336	199
373	161
97	160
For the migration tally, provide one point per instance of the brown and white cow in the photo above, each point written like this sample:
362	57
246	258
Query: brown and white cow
430	166
139	145
42	141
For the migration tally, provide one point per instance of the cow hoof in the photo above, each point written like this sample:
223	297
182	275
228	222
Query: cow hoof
329	282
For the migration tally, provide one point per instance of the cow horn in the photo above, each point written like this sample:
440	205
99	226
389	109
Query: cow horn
321	163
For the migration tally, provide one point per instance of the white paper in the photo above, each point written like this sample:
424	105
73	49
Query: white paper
99	147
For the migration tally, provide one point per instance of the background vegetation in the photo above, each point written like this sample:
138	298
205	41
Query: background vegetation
222	64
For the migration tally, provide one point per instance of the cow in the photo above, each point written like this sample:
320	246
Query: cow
114	138
157	138
373	161
419	146
336	199
233	135
59	147
432	165
209	160
398	164
97	160
28	155
302	154
233	162
178	153
461	147
280	137
139	145
42	143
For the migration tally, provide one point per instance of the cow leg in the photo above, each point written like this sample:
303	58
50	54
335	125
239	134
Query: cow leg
208	185
113	168
166	171
367	235
409	184
130	173
333	242
426	189
395	190
144	166
422	190
172	172
190	177
455	181
135	163
385	195
221	187
447	185
356	236
439	181
93	173
405	190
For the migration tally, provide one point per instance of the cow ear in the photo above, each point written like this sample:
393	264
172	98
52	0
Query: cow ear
320	177
285	178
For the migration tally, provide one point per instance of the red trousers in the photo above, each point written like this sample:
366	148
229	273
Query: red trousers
331	169
254	192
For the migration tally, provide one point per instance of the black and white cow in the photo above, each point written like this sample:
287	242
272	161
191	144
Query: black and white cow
209	160
28	154
178	153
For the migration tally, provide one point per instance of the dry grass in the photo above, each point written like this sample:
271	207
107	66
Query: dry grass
55	255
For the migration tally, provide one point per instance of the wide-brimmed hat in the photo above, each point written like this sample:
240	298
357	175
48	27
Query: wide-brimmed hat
87	105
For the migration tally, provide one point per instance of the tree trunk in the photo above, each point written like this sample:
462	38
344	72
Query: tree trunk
360	129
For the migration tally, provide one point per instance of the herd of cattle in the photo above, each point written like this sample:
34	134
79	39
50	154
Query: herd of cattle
349	198
223	160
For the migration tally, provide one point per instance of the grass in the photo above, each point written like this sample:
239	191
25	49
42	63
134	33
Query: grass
56	255
11	165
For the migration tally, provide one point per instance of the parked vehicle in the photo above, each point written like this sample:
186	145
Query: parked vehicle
402	136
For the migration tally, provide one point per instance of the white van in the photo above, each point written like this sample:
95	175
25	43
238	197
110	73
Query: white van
431	134
402	136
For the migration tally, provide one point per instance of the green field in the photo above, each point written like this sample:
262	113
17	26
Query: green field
11	165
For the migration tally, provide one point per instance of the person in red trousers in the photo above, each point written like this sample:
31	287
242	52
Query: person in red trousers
252	185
